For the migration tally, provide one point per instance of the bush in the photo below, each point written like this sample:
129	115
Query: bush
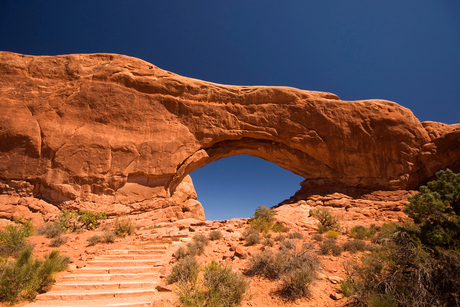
180	253
197	246
58	241
215	235
327	221
354	246
123	227
93	240
91	220
251	236
331	234
295	235
287	244
67	221
268	242
108	236
263	219
296	284
279	238
220	287
361	232
13	238
50	230
317	237
185	270
25	277
296	269
417	264
436	209
330	247
279	227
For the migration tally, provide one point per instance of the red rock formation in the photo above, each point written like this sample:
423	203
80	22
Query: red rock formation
114	132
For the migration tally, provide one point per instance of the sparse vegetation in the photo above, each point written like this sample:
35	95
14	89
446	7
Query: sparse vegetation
50	230
326	220
263	219
219	287
317	237
361	232
13	237
251	236
185	270
215	235
330	246
295	268
418	264
268	242
279	227
108	236
123	227
94	239
90	220
58	241
331	234
25	277
354	246
287	244
295	235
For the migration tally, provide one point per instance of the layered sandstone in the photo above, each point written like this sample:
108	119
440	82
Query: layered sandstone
115	132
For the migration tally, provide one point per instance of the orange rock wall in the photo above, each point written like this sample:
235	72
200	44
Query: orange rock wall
103	130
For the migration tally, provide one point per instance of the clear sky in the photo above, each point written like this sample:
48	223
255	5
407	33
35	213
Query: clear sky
404	51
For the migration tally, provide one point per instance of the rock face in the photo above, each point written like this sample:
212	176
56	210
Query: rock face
114	132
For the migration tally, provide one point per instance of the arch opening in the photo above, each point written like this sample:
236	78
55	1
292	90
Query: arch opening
233	187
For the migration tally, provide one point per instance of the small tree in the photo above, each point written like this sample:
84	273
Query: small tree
436	208
327	221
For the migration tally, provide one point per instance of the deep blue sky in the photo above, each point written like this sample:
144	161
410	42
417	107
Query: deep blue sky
404	51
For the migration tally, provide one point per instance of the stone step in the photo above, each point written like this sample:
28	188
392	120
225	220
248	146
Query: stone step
109	277
116	269
72	295
133	252
122	263
139	256
104	285
139	301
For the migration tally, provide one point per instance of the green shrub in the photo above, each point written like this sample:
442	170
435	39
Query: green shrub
91	220
67	221
219	287
50	230
327	221
331	234
416	264
25	277
13	238
330	247
123	227
354	246
58	241
185	270
436	209
295	235
279	227
361	232
263	219
215	235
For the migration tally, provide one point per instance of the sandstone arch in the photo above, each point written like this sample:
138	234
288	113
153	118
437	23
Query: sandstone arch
107	130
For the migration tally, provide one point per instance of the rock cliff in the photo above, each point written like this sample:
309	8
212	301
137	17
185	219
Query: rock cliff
111	132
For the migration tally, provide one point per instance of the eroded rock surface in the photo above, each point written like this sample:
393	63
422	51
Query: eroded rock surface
111	132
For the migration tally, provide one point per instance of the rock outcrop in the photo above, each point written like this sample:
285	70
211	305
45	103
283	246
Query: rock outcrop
115	132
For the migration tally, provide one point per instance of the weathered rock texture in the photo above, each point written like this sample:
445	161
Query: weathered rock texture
114	132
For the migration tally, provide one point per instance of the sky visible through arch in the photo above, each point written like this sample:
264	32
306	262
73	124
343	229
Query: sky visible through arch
404	51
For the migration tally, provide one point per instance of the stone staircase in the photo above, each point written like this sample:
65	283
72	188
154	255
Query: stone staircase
121	278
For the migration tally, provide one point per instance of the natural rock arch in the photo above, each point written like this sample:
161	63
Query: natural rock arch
108	130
